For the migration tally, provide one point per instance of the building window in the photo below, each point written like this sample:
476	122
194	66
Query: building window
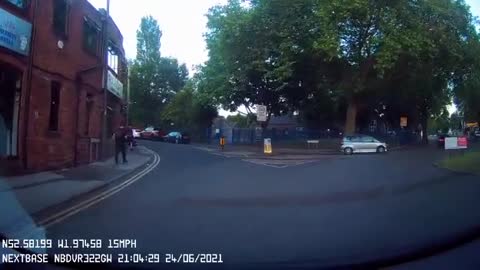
113	59
60	17
90	37
54	106
18	3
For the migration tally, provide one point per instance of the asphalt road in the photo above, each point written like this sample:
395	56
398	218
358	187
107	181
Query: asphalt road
334	211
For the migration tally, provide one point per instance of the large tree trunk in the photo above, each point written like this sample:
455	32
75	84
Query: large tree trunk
360	84
350	123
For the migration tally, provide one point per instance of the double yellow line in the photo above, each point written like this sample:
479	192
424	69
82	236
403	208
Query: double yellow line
66	213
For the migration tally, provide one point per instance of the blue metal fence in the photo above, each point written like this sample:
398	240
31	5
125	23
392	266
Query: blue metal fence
292	135
254	135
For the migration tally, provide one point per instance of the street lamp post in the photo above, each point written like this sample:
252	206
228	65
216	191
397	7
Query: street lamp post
104	78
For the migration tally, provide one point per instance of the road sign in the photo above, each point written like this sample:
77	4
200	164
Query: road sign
261	113
472	124
403	121
453	143
462	142
267	146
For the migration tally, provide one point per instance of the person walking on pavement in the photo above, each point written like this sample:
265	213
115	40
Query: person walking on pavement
120	144
222	142
130	139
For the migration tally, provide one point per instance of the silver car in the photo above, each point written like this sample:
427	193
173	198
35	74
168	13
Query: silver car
362	144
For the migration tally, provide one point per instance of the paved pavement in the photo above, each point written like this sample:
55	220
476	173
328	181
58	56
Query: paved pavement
27	195
331	212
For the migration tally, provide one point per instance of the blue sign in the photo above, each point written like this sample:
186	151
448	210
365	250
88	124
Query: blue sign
18	3
15	33
114	85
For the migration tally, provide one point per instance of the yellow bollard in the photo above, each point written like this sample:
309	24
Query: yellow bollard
267	146
222	142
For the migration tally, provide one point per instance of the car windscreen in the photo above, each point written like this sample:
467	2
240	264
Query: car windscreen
269	131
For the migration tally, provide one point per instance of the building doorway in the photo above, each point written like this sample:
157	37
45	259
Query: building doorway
10	89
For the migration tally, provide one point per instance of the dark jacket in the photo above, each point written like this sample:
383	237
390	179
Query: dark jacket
120	136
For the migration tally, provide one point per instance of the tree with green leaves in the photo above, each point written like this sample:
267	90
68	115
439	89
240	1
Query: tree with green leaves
148	41
467	90
154	80
247	65
362	53
187	111
372	37
439	123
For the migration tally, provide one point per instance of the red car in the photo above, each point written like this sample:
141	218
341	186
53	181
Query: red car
441	140
152	134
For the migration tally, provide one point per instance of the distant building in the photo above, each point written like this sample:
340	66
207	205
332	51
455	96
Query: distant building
221	122
51	98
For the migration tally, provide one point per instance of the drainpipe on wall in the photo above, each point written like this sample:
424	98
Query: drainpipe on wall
78	81
28	90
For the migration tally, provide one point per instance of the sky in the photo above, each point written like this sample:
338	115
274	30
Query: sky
182	22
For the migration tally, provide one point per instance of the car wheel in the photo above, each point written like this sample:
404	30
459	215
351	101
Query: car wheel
381	149
177	141
348	151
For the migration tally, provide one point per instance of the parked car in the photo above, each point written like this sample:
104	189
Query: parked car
177	137
136	132
152	133
362	144
441	140
433	137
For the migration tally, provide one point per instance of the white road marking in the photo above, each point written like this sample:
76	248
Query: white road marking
219	154
278	164
230	155
204	149
62	215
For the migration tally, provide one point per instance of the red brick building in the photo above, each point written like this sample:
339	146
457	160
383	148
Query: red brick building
51	97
